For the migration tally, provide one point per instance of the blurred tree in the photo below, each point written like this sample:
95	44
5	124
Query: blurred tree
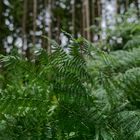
4	30
137	3
34	21
48	17
86	19
24	28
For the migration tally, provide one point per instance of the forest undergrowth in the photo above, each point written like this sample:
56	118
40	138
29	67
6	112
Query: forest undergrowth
85	92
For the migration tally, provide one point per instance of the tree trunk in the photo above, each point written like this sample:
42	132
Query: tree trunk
118	7
92	17
73	18
2	28
34	21
24	39
86	20
49	26
44	42
98	14
126	5
137	3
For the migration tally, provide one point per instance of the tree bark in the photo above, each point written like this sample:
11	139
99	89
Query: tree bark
92	17
24	25
49	26
137	3
34	21
126	5
118	7
2	28
44	42
86	20
97	14
73	18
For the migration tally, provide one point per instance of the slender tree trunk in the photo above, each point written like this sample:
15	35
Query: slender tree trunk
49	26
81	20
126	5
118	7
99	8
73	18
88	20
84	19
34	20
2	25
92	16
137	3
98	14
44	42
24	44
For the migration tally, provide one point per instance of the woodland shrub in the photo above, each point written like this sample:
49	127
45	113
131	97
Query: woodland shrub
85	93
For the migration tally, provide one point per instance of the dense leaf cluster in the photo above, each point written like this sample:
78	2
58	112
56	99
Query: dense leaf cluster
73	93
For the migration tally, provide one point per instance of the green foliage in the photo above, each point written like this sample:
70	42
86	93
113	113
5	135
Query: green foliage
38	99
74	93
126	33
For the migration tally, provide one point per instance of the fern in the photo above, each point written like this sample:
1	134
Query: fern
78	92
